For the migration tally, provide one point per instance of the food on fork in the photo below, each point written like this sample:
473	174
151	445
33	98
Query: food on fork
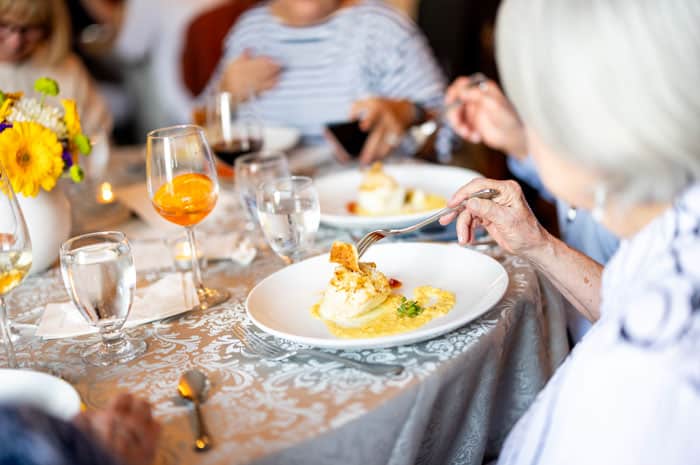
359	302
381	194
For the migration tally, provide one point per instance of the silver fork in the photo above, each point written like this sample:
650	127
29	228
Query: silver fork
375	236
259	346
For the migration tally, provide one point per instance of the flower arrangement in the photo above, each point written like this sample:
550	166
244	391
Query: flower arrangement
39	142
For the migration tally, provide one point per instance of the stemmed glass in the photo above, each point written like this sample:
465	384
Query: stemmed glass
251	171
99	275
184	189
233	129
289	214
15	256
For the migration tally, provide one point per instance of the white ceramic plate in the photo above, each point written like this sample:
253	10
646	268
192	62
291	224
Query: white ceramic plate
40	390
337	190
276	138
281	304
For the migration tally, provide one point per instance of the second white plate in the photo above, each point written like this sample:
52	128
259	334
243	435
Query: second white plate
338	189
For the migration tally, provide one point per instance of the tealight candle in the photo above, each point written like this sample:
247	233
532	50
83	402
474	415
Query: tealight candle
105	194
182	254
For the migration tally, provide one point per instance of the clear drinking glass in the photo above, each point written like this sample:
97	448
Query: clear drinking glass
289	214
251	171
99	275
184	189
233	128
15	257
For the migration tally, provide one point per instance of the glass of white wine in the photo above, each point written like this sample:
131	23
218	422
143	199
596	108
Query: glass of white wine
99	275
15	256
289	214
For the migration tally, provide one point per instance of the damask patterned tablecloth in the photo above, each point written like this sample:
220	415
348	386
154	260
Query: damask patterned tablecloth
454	404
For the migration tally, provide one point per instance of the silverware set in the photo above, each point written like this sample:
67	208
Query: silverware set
259	346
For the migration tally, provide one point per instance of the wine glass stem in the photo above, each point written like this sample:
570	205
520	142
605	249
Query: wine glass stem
196	271
6	337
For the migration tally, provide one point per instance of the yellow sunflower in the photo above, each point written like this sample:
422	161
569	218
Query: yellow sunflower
71	118
31	155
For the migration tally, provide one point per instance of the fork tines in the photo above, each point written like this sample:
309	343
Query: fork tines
368	240
255	343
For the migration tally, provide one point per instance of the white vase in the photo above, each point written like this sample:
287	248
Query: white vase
48	218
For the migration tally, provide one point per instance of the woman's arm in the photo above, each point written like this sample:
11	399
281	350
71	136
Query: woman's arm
509	220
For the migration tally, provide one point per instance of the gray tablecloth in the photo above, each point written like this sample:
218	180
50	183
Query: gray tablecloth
456	401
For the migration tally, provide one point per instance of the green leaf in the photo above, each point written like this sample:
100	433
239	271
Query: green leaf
409	308
83	143
2	97
76	173
46	86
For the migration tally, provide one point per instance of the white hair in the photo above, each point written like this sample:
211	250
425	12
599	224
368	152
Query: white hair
611	84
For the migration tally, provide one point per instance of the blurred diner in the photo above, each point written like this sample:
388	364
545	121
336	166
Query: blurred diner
309	63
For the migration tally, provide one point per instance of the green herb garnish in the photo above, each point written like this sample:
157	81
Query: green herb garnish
409	308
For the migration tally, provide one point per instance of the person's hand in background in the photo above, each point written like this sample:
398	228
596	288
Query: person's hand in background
125	427
248	74
485	115
386	120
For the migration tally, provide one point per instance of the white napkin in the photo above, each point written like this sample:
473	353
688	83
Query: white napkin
169	296
159	254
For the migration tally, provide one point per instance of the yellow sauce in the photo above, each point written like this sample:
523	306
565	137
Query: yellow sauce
435	302
432	202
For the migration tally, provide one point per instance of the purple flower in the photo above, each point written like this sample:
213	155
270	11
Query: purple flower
67	157
4	126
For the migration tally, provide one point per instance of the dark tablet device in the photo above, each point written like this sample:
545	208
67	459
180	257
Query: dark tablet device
347	138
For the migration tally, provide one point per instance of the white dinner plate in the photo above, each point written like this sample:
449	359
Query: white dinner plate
281	304
338	189
45	392
280	139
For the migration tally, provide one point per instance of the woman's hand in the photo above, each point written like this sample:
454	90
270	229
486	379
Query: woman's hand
247	74
486	115
507	218
386	120
126	428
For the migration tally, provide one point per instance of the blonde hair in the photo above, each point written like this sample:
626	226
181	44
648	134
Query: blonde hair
609	84
51	14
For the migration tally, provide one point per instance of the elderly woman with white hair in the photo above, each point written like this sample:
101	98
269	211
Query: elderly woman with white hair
607	91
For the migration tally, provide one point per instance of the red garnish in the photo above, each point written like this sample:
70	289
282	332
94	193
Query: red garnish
395	283
352	207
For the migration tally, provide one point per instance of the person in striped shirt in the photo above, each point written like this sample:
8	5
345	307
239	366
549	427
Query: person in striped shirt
313	62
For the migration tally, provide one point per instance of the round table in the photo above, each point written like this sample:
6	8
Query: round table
455	402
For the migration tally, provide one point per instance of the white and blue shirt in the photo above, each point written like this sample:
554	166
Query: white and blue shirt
360	51
629	393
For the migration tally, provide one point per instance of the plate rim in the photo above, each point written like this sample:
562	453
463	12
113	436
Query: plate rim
56	379
348	220
395	340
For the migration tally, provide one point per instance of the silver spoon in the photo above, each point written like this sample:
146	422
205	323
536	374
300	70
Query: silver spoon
192	387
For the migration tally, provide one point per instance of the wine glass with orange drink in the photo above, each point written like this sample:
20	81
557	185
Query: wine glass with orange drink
184	189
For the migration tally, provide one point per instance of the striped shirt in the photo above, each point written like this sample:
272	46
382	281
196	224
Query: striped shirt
361	51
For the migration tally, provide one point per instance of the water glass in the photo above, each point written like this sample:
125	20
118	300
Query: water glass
251	171
99	275
289	214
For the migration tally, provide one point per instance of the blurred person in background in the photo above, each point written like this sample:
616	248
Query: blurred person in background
313	62
151	38
485	115
123	433
35	42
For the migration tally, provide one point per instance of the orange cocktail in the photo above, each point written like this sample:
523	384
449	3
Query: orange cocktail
187	199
